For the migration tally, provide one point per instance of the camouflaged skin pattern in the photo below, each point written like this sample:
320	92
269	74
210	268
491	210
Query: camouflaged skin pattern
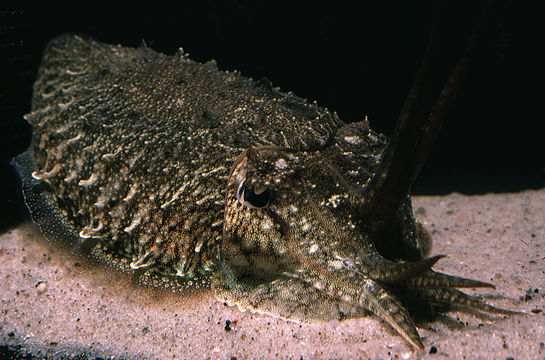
179	169
137	145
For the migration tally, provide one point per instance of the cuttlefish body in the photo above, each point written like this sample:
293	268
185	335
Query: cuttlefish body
187	171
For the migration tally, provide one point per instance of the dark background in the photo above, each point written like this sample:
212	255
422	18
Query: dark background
353	60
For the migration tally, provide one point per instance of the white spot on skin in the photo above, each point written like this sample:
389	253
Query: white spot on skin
293	209
293	157
83	234
64	106
180	272
109	156
213	171
216	224
373	137
354	140
136	221
305	226
92	180
281	164
74	72
68	89
319	285
335	200
204	199
133	225
71	177
132	192
336	264
46	96
101	201
199	245
313	248
64	128
74	139
89	231
46	175
266	225
175	196
143	261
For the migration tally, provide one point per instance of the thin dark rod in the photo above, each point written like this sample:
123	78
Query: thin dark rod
411	142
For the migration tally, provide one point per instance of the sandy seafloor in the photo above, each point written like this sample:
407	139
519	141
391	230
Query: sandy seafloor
53	307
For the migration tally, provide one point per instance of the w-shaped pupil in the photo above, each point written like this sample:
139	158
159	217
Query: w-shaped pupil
258	200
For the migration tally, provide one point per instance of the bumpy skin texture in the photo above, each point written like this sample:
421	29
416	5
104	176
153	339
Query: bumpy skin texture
180	169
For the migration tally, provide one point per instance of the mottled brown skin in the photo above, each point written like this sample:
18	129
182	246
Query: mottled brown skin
181	169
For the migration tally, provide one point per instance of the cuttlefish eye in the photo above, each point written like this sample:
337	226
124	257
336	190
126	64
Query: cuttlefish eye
254	198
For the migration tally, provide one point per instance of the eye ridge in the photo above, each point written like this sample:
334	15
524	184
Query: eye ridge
254	199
